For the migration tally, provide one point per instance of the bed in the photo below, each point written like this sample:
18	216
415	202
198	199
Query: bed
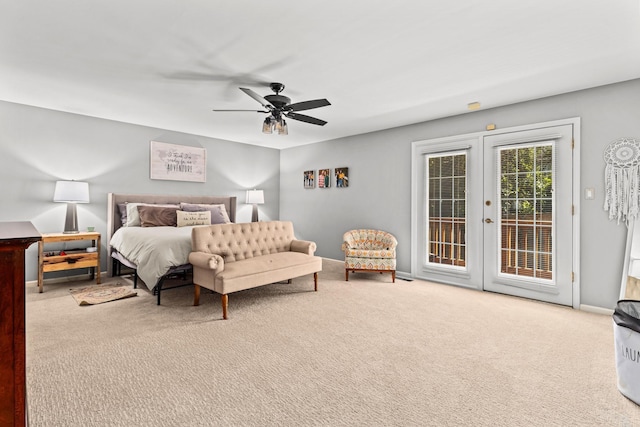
155	253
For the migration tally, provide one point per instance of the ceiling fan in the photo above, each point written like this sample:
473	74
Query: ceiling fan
279	106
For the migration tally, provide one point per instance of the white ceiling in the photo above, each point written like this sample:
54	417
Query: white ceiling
381	64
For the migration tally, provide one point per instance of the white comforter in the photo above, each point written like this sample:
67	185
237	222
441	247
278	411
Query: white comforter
153	249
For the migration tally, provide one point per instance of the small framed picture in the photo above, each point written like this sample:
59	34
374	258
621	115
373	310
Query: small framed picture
324	178
309	179
342	177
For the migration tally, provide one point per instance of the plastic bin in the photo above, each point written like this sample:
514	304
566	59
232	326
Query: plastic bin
626	332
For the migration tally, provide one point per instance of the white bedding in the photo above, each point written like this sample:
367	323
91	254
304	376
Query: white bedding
154	250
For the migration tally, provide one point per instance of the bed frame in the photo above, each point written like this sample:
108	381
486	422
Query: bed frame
114	223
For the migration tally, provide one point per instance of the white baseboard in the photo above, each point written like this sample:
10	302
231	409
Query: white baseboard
404	275
399	274
73	278
597	310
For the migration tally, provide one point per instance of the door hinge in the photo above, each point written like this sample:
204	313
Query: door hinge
573	210
573	277
573	143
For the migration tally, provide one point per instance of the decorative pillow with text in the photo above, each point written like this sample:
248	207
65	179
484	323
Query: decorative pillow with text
219	213
193	218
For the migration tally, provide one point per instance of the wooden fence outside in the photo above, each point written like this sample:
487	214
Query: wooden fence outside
526	244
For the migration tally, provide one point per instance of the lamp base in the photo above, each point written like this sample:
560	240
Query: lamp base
254	215
71	220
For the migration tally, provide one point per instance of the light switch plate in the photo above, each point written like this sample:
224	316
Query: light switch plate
589	193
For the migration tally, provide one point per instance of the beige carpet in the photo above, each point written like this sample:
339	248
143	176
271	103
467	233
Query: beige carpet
99	294
359	353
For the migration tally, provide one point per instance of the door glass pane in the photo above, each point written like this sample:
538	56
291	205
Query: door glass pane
526	199
446	228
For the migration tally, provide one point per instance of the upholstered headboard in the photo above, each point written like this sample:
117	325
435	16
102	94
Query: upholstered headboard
113	199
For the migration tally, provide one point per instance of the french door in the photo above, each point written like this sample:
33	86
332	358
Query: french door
495	212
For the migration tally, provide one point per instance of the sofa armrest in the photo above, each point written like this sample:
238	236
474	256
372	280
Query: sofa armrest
304	246
207	261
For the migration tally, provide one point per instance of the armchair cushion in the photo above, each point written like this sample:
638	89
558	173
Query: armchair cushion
364	253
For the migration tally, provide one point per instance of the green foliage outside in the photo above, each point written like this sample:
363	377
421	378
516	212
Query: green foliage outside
526	181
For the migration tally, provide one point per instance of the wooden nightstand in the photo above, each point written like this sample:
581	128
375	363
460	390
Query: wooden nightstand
73	257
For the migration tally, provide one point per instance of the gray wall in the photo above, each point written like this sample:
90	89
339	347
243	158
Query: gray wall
39	146
380	179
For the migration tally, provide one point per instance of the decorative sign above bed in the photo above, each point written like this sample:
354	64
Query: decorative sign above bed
178	162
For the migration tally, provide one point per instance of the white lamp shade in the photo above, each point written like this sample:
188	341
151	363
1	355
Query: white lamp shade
71	192
255	197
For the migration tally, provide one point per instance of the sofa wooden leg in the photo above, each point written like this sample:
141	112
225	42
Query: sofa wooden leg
225	302
196	295
315	281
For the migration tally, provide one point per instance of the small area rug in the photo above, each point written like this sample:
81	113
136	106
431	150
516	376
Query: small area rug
98	294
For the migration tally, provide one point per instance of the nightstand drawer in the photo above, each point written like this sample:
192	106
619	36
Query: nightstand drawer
66	262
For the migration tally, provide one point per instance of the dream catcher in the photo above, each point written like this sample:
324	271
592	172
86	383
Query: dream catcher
622	180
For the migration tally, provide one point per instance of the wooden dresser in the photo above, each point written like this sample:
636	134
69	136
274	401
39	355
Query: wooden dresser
15	238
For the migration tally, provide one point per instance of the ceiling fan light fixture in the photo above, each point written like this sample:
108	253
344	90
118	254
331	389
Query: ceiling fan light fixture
278	106
266	126
282	128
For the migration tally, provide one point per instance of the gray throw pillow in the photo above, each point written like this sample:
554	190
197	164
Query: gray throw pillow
218	212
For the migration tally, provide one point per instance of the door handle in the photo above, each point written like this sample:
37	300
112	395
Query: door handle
488	220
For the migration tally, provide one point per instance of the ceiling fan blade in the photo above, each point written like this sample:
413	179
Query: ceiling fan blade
308	105
257	97
191	75
250	111
306	119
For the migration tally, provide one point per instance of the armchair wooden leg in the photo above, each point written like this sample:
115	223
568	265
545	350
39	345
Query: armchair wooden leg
315	281
225	303
196	295
346	274
393	276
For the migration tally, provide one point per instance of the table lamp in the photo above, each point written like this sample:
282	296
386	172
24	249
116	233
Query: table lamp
255	197
71	193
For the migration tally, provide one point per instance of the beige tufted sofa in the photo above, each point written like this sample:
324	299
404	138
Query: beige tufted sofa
228	258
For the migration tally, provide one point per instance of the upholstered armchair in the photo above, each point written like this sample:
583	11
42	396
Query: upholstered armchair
370	251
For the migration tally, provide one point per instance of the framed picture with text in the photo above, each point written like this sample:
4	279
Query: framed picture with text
177	162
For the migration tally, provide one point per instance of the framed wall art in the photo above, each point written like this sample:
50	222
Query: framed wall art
178	162
309	179
324	178
342	177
